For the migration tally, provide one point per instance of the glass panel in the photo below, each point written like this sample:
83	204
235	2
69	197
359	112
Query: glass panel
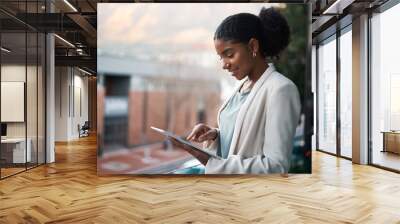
385	84
345	94
327	96
13	87
41	98
31	97
22	79
31	85
314	90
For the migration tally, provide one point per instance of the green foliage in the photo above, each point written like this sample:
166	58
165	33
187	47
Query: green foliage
292	61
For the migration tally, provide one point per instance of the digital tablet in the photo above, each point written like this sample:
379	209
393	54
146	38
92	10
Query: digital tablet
183	141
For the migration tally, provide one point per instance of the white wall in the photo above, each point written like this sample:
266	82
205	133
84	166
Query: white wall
79	115
71	94
62	81
12	73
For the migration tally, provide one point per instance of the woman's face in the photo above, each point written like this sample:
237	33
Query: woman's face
236	58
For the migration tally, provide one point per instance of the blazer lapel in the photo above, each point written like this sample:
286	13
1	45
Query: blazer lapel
243	110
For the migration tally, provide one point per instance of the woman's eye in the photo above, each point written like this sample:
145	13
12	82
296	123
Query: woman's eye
225	56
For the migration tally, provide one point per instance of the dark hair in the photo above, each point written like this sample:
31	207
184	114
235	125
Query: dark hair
270	28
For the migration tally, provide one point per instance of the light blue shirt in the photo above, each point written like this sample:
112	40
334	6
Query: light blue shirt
227	122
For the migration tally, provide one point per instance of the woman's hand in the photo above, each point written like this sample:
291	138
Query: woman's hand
201	133
201	156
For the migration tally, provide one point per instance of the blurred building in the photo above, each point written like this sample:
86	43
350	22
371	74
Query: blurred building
135	95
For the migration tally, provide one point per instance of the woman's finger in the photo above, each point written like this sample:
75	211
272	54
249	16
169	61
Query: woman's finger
202	137
195	132
207	136
192	134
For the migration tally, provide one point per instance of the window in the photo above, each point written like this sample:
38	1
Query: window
346	92
327	95
385	86
314	91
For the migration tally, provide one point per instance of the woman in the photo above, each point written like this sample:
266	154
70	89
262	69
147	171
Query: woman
257	123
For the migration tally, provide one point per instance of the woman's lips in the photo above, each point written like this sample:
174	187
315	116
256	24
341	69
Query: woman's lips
234	72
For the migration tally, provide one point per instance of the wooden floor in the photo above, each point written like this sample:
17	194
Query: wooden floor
70	191
386	159
10	171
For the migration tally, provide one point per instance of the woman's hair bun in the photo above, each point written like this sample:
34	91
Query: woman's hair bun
275	30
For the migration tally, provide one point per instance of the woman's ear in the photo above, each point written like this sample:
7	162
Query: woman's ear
254	46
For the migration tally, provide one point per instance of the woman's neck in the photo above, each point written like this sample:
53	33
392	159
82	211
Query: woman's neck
259	69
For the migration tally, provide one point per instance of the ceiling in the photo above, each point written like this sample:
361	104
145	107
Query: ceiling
76	22
330	15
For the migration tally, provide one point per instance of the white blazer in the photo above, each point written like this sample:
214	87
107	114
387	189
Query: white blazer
264	130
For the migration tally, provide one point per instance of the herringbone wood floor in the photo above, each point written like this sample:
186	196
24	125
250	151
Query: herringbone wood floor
70	191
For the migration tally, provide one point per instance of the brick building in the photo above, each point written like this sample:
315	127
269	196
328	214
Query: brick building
133	96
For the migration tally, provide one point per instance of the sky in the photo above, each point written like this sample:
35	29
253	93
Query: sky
165	31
